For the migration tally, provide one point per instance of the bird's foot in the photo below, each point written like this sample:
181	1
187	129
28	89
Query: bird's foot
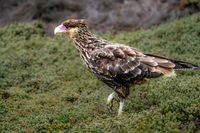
121	105
109	106
110	101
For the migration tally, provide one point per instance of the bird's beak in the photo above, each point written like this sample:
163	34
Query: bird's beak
60	29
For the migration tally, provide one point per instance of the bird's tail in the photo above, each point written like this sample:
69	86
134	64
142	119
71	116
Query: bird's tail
183	66
180	65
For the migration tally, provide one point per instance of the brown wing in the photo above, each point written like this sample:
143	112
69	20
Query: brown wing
124	63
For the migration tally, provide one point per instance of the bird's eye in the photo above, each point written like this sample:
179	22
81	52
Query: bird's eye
69	26
66	26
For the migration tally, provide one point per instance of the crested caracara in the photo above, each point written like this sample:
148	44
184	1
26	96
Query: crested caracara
118	65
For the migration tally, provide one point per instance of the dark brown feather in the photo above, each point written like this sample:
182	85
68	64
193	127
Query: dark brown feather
127	64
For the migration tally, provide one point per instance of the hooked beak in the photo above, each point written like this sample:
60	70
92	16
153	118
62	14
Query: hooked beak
60	29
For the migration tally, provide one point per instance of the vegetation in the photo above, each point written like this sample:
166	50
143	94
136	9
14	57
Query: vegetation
44	86
193	2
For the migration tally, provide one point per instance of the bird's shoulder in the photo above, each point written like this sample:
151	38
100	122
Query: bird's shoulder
115	60
117	51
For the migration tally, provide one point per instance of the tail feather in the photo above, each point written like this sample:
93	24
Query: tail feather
179	65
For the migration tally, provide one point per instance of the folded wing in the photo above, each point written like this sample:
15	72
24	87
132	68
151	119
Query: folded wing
123	63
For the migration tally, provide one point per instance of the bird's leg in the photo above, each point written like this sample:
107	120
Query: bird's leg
121	104
110	101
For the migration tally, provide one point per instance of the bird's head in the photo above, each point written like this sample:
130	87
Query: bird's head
70	27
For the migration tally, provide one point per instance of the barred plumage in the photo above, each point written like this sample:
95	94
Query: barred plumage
117	65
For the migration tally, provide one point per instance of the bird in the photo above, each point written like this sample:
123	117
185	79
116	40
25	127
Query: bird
117	65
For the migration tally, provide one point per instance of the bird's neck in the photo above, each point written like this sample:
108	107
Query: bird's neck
85	41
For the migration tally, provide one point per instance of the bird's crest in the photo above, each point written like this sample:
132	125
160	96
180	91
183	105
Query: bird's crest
75	23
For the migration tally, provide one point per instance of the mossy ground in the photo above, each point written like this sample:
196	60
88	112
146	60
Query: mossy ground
44	86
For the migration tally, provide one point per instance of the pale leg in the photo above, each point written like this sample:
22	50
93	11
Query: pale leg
110	101
121	104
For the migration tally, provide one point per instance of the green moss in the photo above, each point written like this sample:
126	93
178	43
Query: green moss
44	85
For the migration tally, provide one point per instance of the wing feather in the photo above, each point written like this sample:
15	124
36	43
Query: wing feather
126	63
